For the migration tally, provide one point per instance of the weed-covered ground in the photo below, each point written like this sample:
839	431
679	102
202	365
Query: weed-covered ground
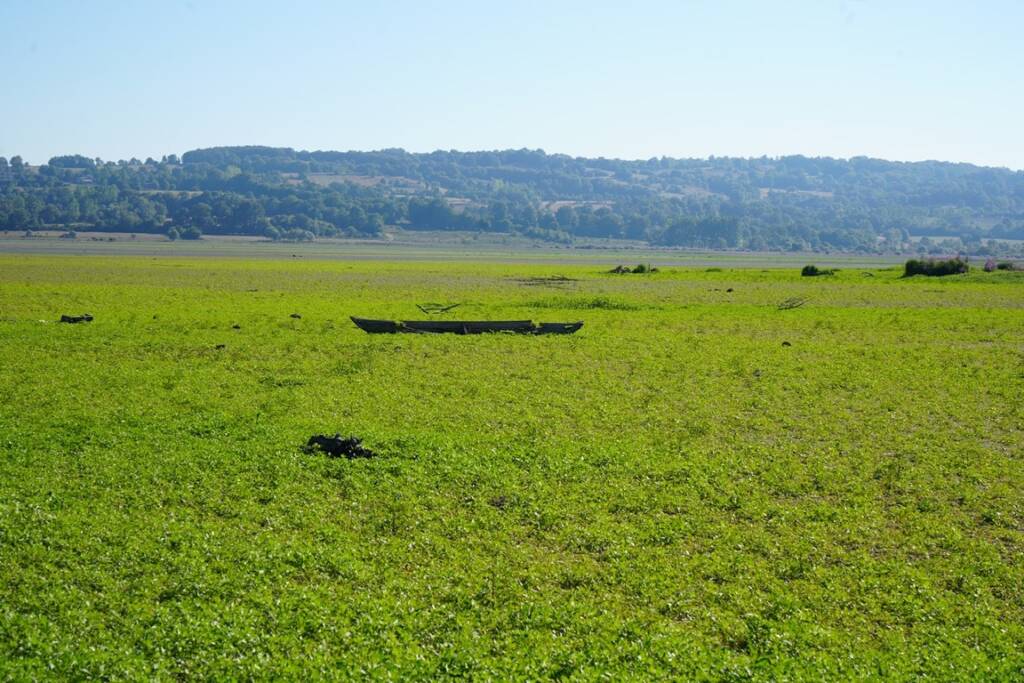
696	485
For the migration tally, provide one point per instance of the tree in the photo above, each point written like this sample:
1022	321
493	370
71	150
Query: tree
173	234
72	161
374	224
246	215
201	216
566	217
431	214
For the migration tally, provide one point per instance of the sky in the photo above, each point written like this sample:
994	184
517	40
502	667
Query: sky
894	79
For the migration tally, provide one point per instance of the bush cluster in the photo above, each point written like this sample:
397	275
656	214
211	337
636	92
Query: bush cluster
640	268
189	233
814	271
935	267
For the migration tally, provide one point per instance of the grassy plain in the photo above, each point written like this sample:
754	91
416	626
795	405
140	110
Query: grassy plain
421	246
670	493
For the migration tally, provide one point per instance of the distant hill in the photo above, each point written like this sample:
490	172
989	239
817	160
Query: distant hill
788	203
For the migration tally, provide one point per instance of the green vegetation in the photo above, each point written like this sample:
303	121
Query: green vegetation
696	485
815	271
639	269
790	203
935	267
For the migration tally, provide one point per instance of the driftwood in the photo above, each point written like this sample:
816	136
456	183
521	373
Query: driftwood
791	303
436	308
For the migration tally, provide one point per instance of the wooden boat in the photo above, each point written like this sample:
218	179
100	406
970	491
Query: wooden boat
377	326
469	326
463	326
558	328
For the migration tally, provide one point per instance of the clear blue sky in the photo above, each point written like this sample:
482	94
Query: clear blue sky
885	78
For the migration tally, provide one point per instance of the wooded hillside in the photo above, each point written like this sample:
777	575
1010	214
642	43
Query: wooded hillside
787	203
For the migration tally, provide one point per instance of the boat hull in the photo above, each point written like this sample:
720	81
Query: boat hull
377	326
468	326
463	326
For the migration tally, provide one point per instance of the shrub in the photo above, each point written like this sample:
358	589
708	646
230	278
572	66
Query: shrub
814	271
1006	265
990	265
640	268
192	233
935	267
173	234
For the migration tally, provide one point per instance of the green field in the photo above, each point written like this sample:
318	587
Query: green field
672	493
424	246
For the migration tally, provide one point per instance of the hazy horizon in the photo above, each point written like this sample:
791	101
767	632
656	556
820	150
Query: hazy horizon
910	81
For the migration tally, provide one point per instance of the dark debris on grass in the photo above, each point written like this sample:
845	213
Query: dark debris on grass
791	303
84	318
337	447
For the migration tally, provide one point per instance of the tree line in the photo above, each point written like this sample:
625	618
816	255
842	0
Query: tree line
794	203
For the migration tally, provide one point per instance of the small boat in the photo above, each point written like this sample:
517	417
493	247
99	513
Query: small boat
463	326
